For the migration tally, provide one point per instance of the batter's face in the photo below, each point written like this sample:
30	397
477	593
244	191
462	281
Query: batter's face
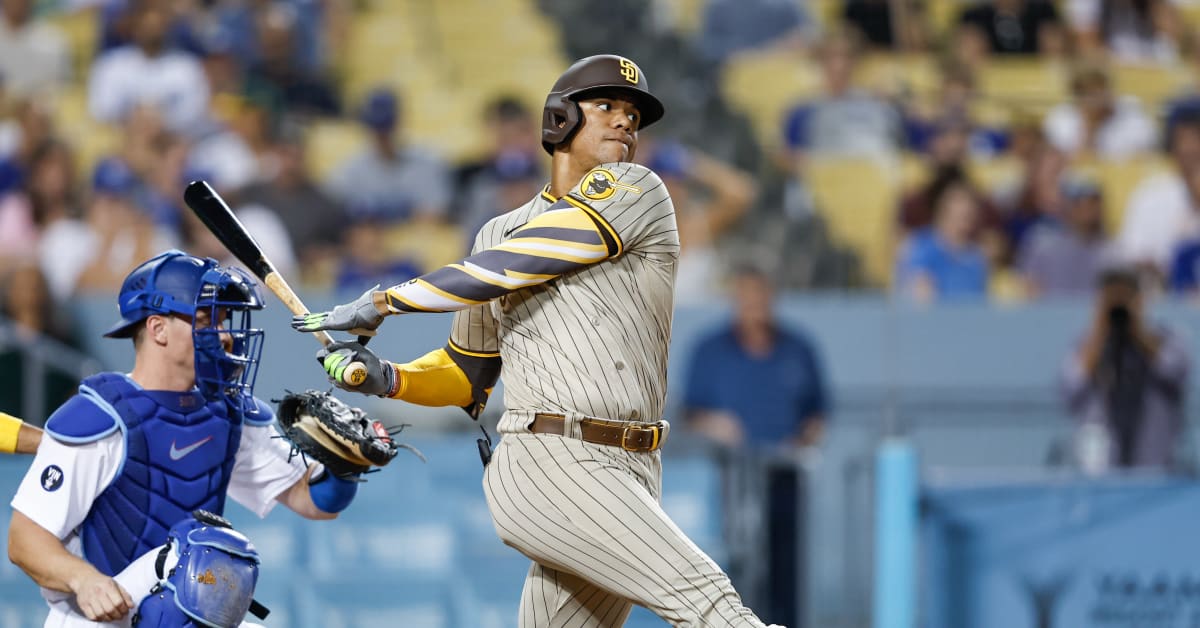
608	131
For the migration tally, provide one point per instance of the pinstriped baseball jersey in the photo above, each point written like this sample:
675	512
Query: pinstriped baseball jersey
593	341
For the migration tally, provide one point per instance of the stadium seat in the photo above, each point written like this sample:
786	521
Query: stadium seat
1118	180
857	199
766	85
1153	85
1035	84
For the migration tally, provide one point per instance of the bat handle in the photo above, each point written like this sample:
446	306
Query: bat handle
356	372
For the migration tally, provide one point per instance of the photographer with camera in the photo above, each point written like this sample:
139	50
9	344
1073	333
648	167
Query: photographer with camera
1125	383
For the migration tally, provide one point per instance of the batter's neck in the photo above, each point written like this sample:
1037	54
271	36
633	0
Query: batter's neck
565	173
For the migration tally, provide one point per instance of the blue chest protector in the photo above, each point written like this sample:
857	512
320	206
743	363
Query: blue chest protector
179	454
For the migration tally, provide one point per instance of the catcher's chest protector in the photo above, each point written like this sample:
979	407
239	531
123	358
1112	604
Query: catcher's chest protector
179	453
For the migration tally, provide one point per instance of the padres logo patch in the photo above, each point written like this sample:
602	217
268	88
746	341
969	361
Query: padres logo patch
599	184
629	71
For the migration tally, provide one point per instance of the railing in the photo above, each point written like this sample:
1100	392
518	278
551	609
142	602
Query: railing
41	355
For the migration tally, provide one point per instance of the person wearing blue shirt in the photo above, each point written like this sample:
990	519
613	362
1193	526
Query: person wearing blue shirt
944	262
753	382
757	386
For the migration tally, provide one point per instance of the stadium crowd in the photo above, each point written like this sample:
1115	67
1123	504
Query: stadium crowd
999	197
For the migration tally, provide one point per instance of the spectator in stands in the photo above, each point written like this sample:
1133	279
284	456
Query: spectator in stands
755	385
945	262
1134	31
889	24
1022	27
368	256
1064	257
754	382
52	194
946	166
115	236
1126	382
1184	278
1098	123
315	223
33	53
1163	210
725	194
1036	197
31	126
148	72
399	182
844	121
953	112
276	78
733	26
515	157
26	302
31	201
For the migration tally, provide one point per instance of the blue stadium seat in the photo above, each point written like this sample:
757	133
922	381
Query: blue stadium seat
373	600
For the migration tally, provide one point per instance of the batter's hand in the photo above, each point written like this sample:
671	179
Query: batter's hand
360	317
101	598
381	375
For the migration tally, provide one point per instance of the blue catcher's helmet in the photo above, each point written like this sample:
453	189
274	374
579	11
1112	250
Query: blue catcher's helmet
227	351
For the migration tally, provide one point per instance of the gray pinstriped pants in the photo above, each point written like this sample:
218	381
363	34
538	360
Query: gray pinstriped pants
588	516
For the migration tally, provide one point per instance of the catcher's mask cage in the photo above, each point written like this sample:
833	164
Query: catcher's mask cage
228	349
590	77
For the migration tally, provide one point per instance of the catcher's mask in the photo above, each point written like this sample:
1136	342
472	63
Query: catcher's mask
226	351
228	348
561	116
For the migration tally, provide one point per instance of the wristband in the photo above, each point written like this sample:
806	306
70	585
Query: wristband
10	429
332	494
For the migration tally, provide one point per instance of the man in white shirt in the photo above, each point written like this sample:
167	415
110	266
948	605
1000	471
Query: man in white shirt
1099	123
133	455
1163	210
147	72
33	54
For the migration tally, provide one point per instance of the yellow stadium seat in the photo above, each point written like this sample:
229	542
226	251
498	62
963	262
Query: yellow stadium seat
765	85
857	199
1118	180
914	75
1154	85
81	28
1035	84
431	244
329	143
994	174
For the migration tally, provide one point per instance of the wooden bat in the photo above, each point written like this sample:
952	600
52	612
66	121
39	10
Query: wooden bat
218	217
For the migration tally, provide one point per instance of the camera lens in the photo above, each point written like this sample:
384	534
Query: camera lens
1118	317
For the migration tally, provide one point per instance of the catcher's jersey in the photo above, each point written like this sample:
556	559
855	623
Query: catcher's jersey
593	341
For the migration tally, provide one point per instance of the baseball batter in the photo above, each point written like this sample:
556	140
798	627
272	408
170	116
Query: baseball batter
126	462
572	294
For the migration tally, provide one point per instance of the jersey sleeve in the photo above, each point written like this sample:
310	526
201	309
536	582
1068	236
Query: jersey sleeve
263	469
629	203
586	227
65	479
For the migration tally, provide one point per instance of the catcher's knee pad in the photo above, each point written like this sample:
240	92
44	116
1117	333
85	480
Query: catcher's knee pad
212	582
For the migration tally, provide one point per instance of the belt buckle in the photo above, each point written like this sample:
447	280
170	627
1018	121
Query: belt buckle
628	429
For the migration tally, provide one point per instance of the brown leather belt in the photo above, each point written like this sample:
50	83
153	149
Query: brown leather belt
624	434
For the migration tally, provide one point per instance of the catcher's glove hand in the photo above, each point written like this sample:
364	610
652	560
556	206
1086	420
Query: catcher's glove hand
338	436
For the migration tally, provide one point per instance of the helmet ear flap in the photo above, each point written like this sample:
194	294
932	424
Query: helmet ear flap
560	118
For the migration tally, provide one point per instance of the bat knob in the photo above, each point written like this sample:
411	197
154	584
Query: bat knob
355	374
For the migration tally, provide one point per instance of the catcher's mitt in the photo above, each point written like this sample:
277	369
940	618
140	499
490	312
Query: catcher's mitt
341	437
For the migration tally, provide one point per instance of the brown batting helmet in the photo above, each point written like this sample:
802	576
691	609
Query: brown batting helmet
561	116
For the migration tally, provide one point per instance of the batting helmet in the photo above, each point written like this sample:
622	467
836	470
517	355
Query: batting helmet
561	115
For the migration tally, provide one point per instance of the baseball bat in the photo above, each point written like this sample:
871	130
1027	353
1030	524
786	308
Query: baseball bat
212	210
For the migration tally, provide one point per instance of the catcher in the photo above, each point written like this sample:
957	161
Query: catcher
126	461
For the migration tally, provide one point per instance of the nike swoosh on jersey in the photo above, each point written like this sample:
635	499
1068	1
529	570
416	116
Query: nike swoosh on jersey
178	454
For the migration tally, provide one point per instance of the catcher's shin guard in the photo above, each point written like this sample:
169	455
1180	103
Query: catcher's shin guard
211	583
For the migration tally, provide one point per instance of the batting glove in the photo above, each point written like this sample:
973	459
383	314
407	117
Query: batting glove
381	375
359	317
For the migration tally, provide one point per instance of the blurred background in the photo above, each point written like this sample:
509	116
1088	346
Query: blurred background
936	306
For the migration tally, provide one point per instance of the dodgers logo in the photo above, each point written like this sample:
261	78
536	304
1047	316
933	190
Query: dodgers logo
629	71
52	478
599	184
